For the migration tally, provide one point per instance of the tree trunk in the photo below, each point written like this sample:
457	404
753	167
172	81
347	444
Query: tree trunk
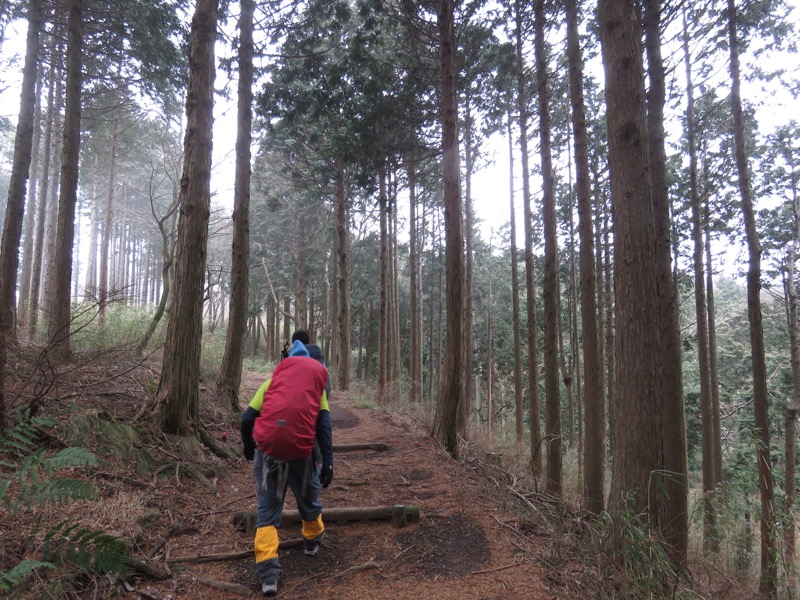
469	261
369	350
769	559
177	396
489	349
48	169
103	289
710	534
166	225
90	284
383	320
59	323
550	291
519	418
343	282
415	297
636	445
30	212
790	416
451	410
15	208
230	371
594	448
394	332
673	459
47	282
301	286
533	359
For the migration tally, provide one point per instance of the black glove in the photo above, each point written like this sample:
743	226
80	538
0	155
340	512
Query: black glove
249	452
326	475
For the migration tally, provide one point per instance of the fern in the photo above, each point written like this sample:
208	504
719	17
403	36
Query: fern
9	579
28	479
34	471
62	491
68	459
23	438
88	549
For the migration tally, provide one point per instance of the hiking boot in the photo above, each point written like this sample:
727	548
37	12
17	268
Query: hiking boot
311	547
269	588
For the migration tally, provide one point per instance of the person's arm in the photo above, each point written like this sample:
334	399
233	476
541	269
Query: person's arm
325	436
249	417
325	441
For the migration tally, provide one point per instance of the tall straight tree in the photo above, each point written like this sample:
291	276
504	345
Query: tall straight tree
595	452
105	239
61	267
415	291
769	558
30	210
52	143
12	228
637	434
790	415
533	359
550	291
519	416
710	536
344	359
673	460
452	408
177	395
230	371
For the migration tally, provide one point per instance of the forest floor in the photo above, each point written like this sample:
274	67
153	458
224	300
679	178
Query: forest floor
483	533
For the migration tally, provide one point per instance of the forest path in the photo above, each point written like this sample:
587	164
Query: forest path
466	545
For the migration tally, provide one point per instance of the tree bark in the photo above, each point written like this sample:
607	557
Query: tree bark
519	418
637	435
383	320
51	146
533	359
550	289
230	371
30	211
469	261
177	396
710	534
790	416
343	281
61	268
769	559
451	410
415	296
103	288
673	459
594	448
15	207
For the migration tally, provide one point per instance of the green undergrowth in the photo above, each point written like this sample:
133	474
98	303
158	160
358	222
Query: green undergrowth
37	481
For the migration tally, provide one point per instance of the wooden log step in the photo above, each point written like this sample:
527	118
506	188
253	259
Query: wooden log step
377	446
398	514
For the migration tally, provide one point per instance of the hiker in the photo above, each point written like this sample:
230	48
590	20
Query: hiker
285	351
286	430
314	351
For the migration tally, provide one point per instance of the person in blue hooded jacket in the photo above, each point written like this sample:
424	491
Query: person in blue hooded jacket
304	476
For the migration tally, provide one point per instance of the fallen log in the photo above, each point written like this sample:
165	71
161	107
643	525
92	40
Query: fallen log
231	588
377	446
145	566
399	515
203	558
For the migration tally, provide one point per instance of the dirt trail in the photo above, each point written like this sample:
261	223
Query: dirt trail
464	546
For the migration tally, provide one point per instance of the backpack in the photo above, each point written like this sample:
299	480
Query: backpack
287	426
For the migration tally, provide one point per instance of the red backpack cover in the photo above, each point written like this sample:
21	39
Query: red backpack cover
287	426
